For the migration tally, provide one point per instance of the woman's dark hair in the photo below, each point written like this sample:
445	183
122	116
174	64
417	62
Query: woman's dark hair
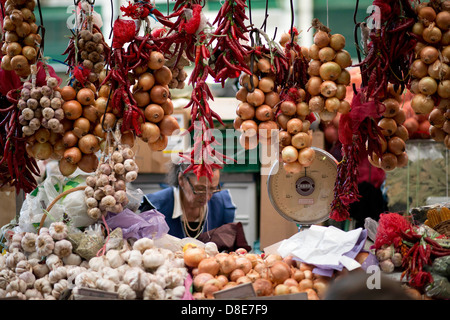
174	170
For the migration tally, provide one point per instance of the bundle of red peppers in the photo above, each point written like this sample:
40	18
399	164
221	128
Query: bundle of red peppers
389	53
418	250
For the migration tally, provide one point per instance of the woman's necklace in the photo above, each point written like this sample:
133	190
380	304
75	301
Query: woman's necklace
186	225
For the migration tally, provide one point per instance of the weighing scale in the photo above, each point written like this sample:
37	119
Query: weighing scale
305	197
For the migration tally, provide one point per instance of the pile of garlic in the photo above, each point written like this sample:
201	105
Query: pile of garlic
106	190
43	267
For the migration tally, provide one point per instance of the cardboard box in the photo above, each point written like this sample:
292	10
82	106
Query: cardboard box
157	161
8	205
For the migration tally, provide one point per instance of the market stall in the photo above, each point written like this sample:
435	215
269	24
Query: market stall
70	148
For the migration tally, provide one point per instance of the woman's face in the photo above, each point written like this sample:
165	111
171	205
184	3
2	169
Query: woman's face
198	192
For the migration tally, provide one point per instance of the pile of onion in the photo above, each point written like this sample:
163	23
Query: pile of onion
394	134
21	38
431	70
42	118
106	189
329	78
269	275
153	97
258	97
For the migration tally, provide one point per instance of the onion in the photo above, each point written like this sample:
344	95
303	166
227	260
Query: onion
313	67
168	125
281	289
388	162
419	69
298	275
444	89
292	167
328	88
66	168
316	103
72	155
142	98
422	104
305	284
266	84
209	265
159	94
156	60
432	34
289	154
88	163
256	98
72	109
428	86
279	272
267	128
89	144
69	139
236	274
330	70
321	39
429	55
200	279
272	98
326	54
306	156
332	104
291	282
337	41
150	132
418	28
244	264
163	75
343	59
427	14
288	107
313	85
42	151
388	126
86	96
439	70
223	280
193	256
262	287
443	20
245	111
264	112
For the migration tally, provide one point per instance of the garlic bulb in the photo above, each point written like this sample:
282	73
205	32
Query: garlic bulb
114	258
143	244
98	263
23	266
40	270
33	294
134	258
43	285
106	285
15	246
6	276
154	292
72	260
13	258
18	285
57	274
87	279
112	274
152	258
211	249
29	278
17	237
63	248
136	278
125	292
44	244
58	230
59	287
28	242
53	261
176	293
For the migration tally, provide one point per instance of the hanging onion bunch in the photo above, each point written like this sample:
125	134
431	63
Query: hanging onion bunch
42	117
79	141
293	113
328	75
394	134
431	68
152	95
21	37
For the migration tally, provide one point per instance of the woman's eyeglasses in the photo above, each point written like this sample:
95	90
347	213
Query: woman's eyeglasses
203	191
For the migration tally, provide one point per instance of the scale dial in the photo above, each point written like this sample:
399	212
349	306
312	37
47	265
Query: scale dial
305	197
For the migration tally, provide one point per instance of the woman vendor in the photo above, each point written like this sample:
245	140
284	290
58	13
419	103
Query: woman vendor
191	206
